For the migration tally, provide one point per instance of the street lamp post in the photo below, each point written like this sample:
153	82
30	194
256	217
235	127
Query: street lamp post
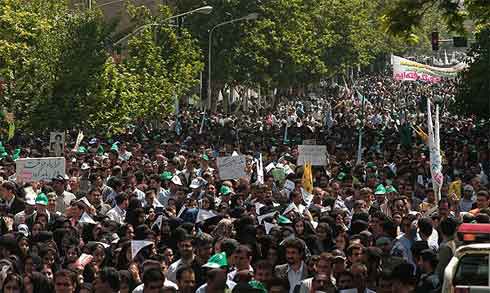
251	16
202	10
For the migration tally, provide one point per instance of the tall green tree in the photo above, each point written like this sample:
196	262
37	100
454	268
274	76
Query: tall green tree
58	71
160	65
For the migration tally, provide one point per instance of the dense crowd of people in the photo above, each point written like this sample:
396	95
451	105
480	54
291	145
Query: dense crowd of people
146	210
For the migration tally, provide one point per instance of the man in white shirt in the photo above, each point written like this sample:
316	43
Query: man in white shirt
153	278
324	266
294	271
118	213
150	199
186	252
63	197
243	257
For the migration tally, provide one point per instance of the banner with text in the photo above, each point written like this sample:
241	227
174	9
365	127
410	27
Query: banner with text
232	167
404	69
28	170
316	154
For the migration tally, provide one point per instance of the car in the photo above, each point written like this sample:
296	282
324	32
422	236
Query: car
468	271
474	233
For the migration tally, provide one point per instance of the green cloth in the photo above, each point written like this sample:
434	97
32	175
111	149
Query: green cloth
391	189
100	151
42	199
205	157
257	285
371	165
380	189
16	154
283	220
341	176
224	190
3	152
82	150
115	146
217	260
166	176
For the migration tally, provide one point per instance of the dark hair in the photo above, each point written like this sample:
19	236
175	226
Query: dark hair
345	273
483	193
182	270
296	244
68	274
10	186
111	276
40	283
121	197
279	282
246	249
264	265
229	246
150	191
448	226
155	177
353	247
203	240
153	274
14	277
293	194
425	226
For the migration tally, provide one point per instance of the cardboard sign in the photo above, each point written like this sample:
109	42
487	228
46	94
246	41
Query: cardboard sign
28	170
232	167
56	143
316	154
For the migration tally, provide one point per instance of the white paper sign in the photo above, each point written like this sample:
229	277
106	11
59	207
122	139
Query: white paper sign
28	170
231	167
316	154
289	185
57	143
269	167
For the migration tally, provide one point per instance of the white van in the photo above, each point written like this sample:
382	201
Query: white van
468	271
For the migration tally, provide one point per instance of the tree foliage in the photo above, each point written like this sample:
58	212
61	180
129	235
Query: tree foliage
58	71
293	43
403	17
474	88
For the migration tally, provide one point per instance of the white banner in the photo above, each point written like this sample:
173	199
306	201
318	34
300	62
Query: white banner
316	154
404	69
231	167
28	170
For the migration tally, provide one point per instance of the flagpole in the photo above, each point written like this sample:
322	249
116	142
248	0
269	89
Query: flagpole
202	122
361	129
285	139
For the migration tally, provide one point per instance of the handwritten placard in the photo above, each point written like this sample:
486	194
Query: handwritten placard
231	167
316	154
37	169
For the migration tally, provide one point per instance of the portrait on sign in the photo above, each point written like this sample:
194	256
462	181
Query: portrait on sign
57	143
